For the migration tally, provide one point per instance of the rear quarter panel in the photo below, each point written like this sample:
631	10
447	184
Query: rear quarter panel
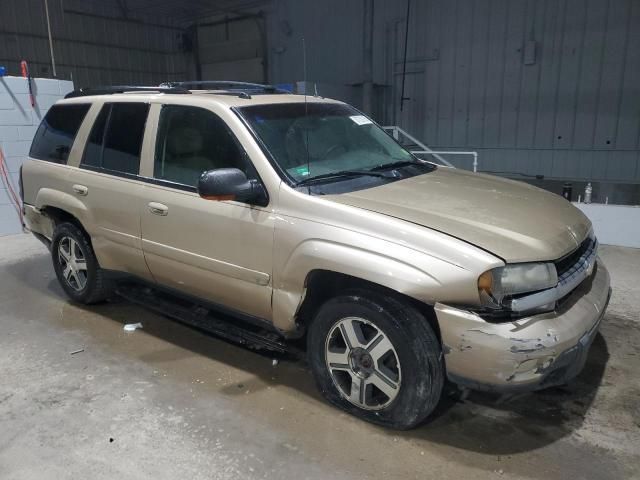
42	182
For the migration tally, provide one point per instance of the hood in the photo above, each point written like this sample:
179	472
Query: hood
513	220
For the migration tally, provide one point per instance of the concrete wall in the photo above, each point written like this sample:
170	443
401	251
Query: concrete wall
18	123
614	224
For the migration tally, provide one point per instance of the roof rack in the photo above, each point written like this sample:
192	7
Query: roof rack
110	90
228	86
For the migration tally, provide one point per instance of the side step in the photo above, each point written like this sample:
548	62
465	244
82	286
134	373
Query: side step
202	318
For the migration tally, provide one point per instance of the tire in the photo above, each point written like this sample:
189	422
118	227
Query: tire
412	363
76	266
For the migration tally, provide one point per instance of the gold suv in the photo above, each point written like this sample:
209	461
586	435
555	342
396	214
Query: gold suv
302	214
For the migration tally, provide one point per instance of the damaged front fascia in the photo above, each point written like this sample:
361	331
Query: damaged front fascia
528	353
513	358
520	345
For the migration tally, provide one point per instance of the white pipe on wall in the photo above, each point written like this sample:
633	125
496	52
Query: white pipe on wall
53	58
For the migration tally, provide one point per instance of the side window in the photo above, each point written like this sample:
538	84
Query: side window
123	138
192	140
115	141
56	133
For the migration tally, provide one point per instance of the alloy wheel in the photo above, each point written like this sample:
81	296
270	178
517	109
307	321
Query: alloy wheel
72	263
363	363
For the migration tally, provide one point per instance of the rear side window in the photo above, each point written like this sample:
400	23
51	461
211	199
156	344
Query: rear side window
56	133
115	140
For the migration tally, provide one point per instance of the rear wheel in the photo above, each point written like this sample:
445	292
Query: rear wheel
76	265
377	358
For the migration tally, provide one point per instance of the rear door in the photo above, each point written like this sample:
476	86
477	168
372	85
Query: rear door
108	183
217	250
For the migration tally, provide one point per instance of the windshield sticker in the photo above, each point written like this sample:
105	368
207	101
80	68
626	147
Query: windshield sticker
360	119
302	171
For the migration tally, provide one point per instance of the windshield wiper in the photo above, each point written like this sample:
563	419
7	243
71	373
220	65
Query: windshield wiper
340	174
400	163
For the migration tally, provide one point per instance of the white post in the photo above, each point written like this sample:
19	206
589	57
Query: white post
53	58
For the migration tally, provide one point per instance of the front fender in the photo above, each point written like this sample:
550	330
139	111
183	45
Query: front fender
390	269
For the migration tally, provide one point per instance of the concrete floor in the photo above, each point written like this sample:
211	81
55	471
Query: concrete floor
170	402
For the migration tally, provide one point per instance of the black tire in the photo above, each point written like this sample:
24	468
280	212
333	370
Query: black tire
96	287
416	347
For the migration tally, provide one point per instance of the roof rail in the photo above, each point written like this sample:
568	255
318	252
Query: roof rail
109	90
227	85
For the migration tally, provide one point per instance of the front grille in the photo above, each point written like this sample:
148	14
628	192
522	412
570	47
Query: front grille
569	263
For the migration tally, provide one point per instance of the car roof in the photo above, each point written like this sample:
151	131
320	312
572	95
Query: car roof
200	97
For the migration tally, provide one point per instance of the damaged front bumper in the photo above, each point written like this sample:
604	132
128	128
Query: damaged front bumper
529	353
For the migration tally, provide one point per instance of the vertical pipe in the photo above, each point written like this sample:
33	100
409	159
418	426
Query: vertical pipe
367	59
53	58
195	42
262	30
404	61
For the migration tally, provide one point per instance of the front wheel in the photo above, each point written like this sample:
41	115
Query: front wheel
376	357
76	265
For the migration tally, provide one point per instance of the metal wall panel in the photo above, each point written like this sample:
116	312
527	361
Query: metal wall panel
581	94
332	30
93	43
568	107
231	49
536	86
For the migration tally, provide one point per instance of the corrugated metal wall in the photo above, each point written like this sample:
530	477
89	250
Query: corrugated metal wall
232	49
93	43
332	31
547	87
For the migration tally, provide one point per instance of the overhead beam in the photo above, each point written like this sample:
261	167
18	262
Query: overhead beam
117	19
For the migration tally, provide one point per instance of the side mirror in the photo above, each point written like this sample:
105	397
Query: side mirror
231	184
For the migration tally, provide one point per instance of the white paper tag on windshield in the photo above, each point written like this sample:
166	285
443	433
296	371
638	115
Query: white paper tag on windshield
360	119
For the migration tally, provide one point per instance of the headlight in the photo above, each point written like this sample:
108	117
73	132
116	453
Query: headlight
494	286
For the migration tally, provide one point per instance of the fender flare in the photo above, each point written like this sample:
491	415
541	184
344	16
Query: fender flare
48	197
320	254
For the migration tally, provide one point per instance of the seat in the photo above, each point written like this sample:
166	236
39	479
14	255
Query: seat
184	162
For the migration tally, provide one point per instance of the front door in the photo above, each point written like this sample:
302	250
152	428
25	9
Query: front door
217	250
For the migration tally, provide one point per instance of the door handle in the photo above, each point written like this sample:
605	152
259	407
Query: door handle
80	189
158	208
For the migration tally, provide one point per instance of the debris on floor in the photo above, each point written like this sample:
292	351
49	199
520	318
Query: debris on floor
132	327
80	350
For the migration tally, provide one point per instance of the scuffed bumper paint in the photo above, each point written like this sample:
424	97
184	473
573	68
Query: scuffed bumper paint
529	353
36	222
